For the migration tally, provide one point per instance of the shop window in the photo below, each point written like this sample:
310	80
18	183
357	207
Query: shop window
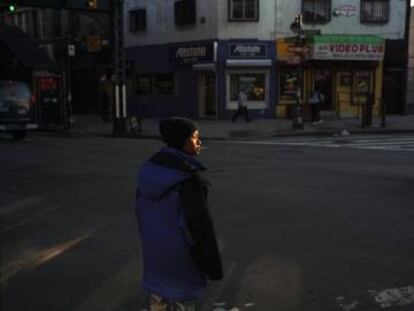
253	84
144	84
138	20
362	82
185	12
32	24
243	10
155	84
164	84
375	11
316	11
288	84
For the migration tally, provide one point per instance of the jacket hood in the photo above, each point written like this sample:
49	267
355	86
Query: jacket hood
155	180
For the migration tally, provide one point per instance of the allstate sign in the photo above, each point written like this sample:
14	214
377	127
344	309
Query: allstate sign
247	50
192	53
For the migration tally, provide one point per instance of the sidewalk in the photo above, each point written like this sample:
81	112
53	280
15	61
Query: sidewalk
91	124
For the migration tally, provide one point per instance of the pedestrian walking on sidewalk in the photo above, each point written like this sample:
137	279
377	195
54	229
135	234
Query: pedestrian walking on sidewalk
315	100
242	107
179	244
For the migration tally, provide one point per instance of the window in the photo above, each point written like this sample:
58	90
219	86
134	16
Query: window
316	11
32	24
252	83
137	20
185	12
155	84
288	87
144	84
164	84
244	10
375	11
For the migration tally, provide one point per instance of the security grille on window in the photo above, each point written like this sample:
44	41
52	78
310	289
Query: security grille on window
164	84
316	11
244	10
375	11
155	84
185	12
137	20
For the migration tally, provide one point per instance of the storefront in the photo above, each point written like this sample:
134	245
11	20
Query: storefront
248	66
290	66
202	79
173	80
347	69
200	59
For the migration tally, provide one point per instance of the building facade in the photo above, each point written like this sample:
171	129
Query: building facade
78	41
410	69
347	49
192	57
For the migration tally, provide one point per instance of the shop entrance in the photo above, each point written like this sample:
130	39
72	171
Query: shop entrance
323	82
354	92
393	91
343	92
207	95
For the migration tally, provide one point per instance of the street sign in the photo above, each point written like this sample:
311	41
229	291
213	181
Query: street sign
299	49
71	49
93	43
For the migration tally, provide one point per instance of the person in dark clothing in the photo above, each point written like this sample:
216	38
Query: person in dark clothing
180	250
315	100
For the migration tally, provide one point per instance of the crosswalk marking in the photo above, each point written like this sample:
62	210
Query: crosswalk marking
393	143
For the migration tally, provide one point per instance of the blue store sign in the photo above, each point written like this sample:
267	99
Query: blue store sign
192	53
247	50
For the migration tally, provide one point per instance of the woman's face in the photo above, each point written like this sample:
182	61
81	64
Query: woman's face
193	144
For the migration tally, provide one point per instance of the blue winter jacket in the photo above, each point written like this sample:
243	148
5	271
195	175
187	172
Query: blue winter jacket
178	240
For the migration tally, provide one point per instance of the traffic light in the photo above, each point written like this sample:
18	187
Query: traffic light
92	4
7	6
298	21
297	24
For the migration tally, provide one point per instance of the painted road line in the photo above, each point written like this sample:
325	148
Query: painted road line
28	219
34	258
21	204
391	297
392	148
385	143
394	138
378	145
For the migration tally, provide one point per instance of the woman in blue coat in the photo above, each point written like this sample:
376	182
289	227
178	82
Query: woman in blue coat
179	244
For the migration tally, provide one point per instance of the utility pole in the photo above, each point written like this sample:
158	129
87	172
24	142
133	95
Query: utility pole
298	118
120	87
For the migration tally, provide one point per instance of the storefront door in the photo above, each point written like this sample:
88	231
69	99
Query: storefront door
343	96
393	94
207	94
323	82
354	91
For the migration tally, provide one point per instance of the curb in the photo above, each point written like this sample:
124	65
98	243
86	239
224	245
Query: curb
241	134
321	132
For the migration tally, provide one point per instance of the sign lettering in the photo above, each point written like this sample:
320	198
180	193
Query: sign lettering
191	54
348	48
244	50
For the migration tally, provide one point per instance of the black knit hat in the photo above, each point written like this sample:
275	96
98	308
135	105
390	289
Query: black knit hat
176	130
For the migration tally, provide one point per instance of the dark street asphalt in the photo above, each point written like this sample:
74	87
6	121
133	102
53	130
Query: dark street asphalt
301	227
